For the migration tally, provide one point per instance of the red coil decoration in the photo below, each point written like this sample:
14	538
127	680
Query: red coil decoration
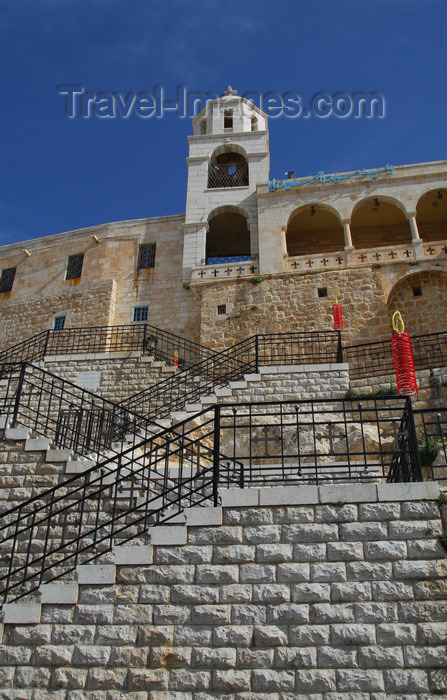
403	359
338	316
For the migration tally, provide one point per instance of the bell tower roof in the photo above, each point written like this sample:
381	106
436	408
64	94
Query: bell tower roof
229	113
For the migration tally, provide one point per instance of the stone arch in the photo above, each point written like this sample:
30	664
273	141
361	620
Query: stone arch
228	236
431	215
421	297
228	167
314	228
379	221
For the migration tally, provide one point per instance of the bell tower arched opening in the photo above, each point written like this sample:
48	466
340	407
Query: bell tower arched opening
228	238
228	170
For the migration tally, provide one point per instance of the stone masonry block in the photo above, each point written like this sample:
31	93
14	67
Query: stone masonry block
203	516
93	574
238	498
356	493
424	490
21	613
168	535
59	593
360	679
315	681
34	444
385	550
288	495
342	635
133	555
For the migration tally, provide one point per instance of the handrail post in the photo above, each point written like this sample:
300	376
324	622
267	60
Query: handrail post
339	348
216	455
18	393
144	339
256	353
413	443
45	345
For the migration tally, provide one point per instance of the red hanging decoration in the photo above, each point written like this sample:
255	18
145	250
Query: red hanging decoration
338	316
403	359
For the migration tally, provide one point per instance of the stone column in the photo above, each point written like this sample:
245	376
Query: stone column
414	227
347	235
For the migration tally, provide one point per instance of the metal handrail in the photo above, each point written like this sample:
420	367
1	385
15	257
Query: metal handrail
163	345
376	359
230	445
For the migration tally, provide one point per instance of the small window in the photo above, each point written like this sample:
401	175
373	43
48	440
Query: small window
322	292
74	267
417	291
7	279
146	256
221	309
228	119
59	323
140	313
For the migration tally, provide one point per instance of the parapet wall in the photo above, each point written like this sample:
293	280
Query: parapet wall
325	592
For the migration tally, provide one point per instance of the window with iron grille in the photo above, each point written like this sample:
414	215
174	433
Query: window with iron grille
59	323
74	267
7	279
140	313
146	256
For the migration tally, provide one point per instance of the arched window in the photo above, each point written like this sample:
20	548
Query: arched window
376	223
228	170
313	229
228	119
432	215
228	239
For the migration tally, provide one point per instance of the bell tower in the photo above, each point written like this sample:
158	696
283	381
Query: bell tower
228	157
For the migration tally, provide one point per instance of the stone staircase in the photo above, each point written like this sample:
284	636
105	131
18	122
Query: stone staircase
319	592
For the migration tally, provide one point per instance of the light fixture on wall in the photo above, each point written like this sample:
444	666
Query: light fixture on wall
376	203
27	253
313	211
440	195
290	174
95	238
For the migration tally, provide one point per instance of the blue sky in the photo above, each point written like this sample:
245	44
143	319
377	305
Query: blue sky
59	174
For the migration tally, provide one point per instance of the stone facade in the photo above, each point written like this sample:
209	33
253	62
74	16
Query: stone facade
279	594
376	240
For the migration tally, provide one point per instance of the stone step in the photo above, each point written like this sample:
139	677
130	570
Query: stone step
35	444
17	433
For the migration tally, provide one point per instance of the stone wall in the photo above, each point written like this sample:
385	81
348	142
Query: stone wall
322	593
114	377
110	286
83	305
289	383
290	303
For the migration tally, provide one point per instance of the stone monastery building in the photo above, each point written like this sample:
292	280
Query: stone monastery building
249	255
240	525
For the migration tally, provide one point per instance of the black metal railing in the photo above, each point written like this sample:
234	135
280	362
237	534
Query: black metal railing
328	441
376	359
74	418
227	175
160	400
163	345
431	430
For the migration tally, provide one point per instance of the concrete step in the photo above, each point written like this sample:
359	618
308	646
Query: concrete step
17	433
34	444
